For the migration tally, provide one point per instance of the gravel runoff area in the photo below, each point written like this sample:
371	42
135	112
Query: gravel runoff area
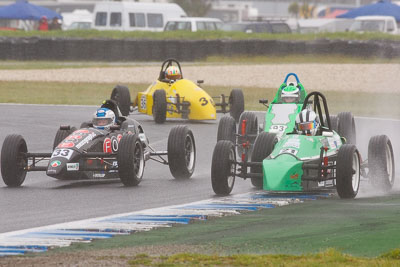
332	77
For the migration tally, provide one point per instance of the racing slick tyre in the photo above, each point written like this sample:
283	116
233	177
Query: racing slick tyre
12	160
181	152
121	95
236	103
346	127
159	106
223	167
130	158
348	171
251	129
263	147
227	129
62	134
381	162
334	122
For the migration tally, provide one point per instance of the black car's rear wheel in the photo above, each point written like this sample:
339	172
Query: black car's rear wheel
130	158
227	129
263	147
236	103
348	171
181	152
13	160
159	106
381	162
223	168
121	95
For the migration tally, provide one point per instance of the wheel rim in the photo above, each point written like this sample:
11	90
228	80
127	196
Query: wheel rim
231	177
189	152
138	160
355	179
389	164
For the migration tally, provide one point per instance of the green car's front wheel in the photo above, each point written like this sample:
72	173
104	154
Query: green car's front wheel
348	171
223	168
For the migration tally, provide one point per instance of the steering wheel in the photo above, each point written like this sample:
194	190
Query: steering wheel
164	67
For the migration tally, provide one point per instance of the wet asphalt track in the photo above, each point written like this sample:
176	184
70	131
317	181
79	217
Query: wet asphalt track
43	200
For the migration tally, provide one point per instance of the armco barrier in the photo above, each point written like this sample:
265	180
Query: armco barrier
34	48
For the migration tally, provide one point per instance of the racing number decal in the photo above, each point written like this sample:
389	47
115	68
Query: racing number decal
64	153
279	128
203	101
143	102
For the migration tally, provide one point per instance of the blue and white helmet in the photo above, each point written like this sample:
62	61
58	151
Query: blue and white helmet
103	119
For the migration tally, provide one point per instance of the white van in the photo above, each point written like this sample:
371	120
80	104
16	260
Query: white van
385	24
132	16
193	24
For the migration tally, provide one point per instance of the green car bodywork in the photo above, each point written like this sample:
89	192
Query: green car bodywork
281	117
283	170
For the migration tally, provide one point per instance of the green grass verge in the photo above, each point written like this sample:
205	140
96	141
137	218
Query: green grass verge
202	35
363	228
361	104
328	258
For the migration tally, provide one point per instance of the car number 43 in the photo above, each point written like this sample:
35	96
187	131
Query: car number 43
64	153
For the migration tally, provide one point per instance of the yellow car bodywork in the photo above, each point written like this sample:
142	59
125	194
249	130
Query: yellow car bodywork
202	106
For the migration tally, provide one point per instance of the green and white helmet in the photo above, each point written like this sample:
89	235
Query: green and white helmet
290	94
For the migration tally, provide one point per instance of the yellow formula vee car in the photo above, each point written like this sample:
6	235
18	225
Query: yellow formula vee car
178	98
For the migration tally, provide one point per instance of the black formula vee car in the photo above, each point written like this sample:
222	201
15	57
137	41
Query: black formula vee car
91	153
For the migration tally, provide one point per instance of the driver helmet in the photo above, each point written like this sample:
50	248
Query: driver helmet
103	119
173	73
307	122
290	94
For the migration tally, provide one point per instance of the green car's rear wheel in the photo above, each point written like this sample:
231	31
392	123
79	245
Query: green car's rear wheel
348	171
346	127
223	167
263	147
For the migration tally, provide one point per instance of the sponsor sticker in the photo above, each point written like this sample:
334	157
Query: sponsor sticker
74	137
277	128
292	143
98	175
64	153
288	151
55	163
72	166
66	145
86	140
107	145
85	131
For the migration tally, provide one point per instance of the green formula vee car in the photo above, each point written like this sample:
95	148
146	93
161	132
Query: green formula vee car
298	162
280	118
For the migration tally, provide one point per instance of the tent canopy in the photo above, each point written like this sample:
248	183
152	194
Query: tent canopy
22	10
381	8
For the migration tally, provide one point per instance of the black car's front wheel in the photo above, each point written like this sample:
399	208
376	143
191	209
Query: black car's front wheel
130	160
227	129
223	168
181	152
13	161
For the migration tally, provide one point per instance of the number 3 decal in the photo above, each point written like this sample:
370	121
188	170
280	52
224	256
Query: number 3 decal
203	101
